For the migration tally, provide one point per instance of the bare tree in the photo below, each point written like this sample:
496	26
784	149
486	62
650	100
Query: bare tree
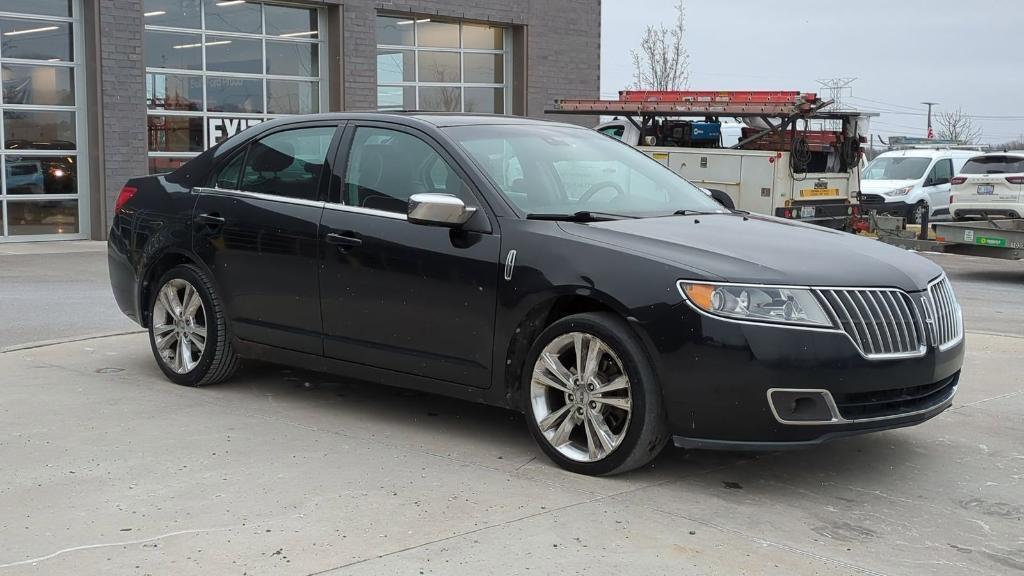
958	126
662	62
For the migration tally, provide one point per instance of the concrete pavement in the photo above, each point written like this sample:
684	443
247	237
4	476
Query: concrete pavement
56	290
108	468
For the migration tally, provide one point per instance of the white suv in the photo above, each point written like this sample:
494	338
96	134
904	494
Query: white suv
909	182
989	185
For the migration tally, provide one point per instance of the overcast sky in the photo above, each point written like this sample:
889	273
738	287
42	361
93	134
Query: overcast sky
960	53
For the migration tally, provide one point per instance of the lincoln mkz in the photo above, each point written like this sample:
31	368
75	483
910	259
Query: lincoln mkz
537	266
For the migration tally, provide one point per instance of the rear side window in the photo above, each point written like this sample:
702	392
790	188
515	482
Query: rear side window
287	163
942	172
227	178
994	165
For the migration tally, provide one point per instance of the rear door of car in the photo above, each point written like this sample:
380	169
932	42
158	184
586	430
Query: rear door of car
401	296
256	228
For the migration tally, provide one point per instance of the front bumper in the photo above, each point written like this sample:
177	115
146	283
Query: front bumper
716	377
879	204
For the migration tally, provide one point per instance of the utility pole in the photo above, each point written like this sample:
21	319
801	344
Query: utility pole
931	134
836	88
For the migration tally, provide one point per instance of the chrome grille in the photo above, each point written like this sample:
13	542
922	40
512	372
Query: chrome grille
881	322
944	314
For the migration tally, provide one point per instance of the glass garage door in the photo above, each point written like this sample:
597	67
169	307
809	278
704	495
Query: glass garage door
44	192
216	67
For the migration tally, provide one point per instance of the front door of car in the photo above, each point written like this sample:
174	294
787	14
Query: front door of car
406	297
937	184
255	227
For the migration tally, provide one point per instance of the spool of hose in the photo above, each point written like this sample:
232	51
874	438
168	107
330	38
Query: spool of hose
799	155
850	151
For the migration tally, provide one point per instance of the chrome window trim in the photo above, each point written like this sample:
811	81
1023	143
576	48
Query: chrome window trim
366	211
834	409
258	196
921	351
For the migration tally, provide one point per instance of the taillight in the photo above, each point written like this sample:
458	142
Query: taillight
1015	179
126	194
958	180
787	213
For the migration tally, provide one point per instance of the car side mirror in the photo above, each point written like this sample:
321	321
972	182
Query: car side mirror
439	210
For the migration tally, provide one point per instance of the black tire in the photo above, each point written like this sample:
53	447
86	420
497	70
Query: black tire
218	360
915	213
722	198
646	432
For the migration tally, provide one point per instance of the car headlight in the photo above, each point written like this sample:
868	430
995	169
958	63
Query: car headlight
900	191
757	303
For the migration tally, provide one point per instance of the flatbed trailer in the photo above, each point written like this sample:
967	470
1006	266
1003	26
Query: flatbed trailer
1002	239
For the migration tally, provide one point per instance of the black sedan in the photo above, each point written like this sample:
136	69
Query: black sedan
538	266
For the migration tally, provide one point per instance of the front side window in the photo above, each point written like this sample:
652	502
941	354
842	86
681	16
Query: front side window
214	68
386	167
613	131
562	170
429	64
896	168
285	163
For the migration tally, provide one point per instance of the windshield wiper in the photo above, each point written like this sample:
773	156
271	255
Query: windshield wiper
689	212
581	216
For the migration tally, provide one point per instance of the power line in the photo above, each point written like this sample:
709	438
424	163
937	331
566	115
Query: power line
885	103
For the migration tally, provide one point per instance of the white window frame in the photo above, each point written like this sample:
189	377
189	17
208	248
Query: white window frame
203	73
81	151
505	52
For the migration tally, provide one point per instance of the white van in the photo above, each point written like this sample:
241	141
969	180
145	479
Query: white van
909	182
990	185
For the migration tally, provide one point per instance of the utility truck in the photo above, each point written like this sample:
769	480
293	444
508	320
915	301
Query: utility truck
793	159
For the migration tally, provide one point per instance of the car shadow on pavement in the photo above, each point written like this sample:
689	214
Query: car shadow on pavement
498	438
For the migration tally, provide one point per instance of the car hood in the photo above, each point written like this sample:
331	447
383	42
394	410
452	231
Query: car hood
880	186
764	250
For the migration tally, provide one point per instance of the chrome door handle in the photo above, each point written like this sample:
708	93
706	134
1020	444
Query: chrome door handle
212	219
343	241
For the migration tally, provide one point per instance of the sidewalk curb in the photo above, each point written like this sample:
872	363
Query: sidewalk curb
45	343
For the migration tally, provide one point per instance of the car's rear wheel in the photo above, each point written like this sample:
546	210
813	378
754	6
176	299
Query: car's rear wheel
188	331
592	400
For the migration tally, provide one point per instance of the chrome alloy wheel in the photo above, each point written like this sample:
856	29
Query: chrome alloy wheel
179	325
580	397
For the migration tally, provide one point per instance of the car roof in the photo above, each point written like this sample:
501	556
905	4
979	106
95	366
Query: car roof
438	119
1002	153
929	153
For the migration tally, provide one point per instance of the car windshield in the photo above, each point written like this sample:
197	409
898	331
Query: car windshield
994	165
554	170
896	168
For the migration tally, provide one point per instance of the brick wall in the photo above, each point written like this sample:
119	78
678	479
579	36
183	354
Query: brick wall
123	96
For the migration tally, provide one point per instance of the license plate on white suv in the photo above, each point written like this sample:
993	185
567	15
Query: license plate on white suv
807	211
984	189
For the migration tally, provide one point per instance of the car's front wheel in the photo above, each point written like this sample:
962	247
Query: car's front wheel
591	397
917	212
188	331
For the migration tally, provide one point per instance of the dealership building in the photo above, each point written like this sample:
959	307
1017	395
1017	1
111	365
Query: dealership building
98	91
